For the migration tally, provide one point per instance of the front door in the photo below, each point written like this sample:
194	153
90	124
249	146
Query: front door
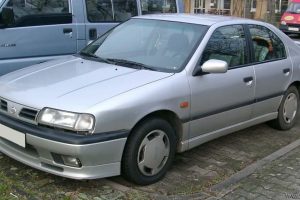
40	31
220	101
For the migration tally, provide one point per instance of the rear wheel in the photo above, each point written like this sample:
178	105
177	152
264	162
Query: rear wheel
149	152
288	110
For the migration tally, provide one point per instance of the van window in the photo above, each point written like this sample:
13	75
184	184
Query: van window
158	6
39	12
110	11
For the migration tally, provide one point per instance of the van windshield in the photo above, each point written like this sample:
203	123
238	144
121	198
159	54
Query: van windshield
148	44
294	8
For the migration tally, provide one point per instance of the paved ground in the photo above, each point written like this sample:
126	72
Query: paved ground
193	173
279	179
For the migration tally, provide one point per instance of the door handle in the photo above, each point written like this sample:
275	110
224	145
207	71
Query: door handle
286	71
93	34
68	32
248	80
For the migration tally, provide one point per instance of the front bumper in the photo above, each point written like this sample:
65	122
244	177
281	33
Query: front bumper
100	154
290	28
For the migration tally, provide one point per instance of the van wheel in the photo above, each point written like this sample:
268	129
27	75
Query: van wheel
288	110
149	152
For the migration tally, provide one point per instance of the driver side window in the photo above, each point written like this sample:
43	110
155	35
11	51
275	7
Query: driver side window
227	43
39	12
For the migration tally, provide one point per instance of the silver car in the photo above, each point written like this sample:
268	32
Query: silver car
153	86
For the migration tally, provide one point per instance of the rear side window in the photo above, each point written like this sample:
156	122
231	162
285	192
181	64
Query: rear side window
110	11
158	6
227	43
39	12
267	45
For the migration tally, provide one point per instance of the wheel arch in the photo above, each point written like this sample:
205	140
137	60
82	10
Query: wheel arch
168	115
296	84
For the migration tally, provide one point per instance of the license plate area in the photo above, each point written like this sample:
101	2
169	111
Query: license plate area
293	29
13	135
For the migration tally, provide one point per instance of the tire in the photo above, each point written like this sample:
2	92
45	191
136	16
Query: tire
288	110
141	163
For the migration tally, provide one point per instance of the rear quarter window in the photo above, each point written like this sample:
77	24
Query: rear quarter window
267	45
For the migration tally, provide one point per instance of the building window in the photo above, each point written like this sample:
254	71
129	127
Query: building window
199	6
253	6
217	7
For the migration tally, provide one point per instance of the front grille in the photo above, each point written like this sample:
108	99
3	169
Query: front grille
294	25
28	114
3	105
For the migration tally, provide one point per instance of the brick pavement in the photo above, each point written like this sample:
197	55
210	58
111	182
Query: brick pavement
279	179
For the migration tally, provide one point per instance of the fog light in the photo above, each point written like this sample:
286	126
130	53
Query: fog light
71	161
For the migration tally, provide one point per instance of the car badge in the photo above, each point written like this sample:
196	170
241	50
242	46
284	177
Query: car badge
13	110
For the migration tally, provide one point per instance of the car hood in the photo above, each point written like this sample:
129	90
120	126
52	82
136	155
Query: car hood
72	83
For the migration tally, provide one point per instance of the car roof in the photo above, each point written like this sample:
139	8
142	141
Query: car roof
203	19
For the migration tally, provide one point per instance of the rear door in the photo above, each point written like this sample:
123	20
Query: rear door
273	69
102	15
41	30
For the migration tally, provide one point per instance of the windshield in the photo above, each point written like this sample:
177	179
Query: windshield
294	8
153	44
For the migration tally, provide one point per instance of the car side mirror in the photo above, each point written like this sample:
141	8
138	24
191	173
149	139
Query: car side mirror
8	17
212	66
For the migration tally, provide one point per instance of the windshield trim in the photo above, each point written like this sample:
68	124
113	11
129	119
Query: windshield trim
180	68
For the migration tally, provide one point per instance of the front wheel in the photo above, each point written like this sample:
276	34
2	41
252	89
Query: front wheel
149	152
288	110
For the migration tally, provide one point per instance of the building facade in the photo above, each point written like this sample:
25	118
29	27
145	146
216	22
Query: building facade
266	10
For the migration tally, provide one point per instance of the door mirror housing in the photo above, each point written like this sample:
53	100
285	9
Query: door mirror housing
8	17
214	66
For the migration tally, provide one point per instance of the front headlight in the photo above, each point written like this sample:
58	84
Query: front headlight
283	23
66	120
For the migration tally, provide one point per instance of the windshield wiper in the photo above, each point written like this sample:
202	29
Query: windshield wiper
130	63
91	55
